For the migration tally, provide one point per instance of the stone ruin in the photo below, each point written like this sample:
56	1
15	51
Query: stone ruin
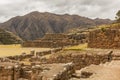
12	68
108	38
56	40
60	65
80	59
36	72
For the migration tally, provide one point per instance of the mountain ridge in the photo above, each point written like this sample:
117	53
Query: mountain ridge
36	24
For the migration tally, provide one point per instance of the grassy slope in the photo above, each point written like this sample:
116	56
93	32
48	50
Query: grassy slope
7	37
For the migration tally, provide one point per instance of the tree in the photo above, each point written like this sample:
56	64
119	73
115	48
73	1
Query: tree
118	16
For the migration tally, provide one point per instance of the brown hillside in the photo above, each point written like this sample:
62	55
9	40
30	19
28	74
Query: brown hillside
35	25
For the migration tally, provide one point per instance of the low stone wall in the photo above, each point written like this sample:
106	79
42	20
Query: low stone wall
79	60
32	55
55	36
22	56
66	74
47	44
48	52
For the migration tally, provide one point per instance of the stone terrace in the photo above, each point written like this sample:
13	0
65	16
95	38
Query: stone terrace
56	40
104	38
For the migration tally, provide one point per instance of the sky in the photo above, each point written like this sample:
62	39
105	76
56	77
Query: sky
88	8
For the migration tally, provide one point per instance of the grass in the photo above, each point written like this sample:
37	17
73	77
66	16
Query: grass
108	26
11	50
77	47
11	46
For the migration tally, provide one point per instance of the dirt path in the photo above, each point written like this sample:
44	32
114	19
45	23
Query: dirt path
108	71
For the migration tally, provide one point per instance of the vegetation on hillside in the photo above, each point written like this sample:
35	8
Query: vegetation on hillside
7	37
118	16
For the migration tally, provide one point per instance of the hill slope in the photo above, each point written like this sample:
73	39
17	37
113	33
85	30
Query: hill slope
35	24
7	37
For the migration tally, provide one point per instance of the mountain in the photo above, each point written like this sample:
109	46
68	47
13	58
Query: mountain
99	21
35	24
7	37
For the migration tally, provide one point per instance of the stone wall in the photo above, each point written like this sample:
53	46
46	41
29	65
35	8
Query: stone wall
56	40
35	72
80	60
104	38
65	73
55	36
9	73
80	37
46	44
32	55
63	64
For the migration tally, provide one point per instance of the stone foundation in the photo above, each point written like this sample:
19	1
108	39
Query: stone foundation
80	61
37	72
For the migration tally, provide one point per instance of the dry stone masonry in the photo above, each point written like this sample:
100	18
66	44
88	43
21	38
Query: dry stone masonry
56	40
80	59
60	65
104	38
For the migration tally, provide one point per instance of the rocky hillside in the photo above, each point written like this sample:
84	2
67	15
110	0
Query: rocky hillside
35	24
7	37
99	21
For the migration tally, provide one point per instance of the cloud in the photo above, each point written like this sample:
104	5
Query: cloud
88	8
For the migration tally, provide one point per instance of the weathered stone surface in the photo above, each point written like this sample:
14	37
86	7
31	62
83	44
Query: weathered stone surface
80	59
60	65
57	40
107	38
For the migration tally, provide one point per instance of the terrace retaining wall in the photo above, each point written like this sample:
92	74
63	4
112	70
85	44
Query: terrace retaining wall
104	38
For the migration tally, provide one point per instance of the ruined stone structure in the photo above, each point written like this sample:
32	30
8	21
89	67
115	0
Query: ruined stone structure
80	37
104	38
56	40
61	66
13	68
9	71
80	59
36	72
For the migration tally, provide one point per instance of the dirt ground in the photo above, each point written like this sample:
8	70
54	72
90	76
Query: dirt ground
108	71
11	50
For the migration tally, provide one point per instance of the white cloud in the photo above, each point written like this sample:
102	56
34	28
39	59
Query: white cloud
88	8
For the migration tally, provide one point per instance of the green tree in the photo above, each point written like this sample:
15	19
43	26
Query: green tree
118	16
